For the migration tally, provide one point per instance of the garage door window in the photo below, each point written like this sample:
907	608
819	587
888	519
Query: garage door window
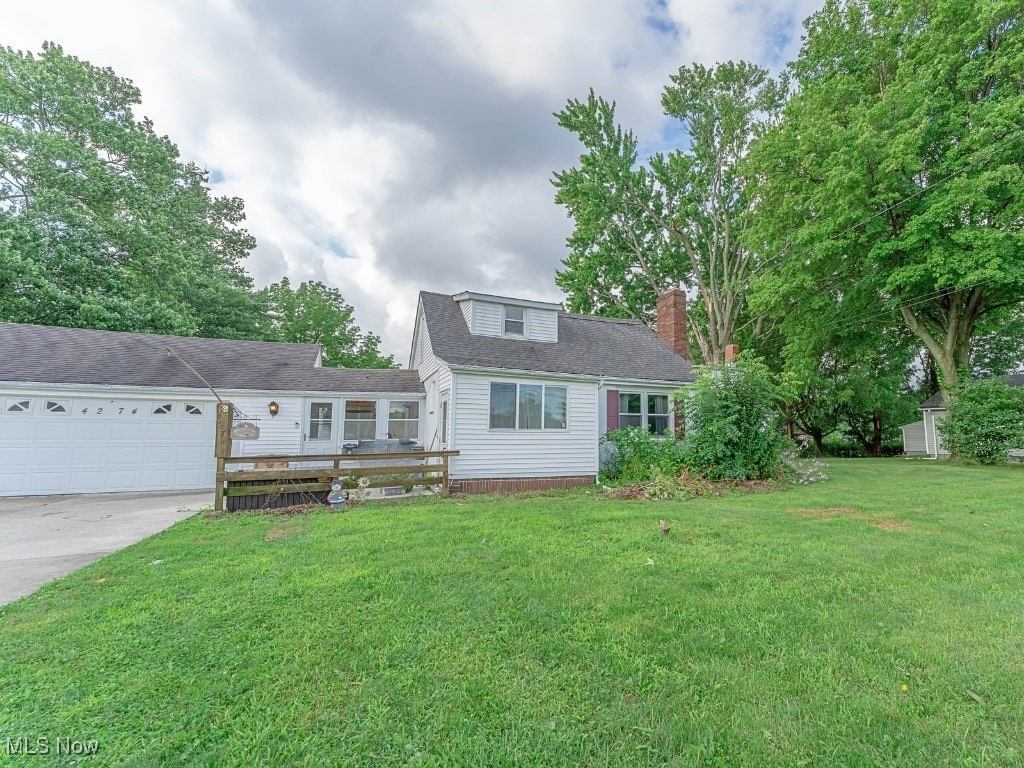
19	406
193	410
57	406
163	409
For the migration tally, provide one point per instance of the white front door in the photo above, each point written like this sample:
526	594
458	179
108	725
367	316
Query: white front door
320	430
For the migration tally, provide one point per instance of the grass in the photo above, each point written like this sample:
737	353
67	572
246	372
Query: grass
875	619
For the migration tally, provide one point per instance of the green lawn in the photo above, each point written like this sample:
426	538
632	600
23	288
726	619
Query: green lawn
842	623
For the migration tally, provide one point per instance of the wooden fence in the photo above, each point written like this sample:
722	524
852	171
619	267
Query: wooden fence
416	468
283	484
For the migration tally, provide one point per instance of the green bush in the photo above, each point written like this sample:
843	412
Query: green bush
985	421
634	455
732	423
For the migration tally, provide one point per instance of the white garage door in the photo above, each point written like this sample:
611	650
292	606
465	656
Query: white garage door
52	444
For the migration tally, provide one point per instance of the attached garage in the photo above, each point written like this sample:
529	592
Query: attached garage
53	443
85	411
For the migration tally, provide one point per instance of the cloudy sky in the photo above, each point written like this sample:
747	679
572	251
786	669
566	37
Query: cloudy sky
386	147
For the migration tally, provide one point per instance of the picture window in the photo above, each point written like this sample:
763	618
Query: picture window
528	406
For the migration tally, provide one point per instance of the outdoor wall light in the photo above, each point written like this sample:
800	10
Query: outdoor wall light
273	407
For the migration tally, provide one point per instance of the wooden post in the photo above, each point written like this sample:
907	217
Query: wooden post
444	476
218	499
222	449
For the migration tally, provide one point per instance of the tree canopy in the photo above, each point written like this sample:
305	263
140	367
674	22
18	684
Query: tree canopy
314	313
102	225
894	182
678	218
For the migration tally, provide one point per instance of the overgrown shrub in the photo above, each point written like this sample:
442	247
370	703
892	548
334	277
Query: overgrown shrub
732	423
634	455
985	421
838	447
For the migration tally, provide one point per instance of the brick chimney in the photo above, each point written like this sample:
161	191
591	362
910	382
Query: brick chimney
731	351
670	321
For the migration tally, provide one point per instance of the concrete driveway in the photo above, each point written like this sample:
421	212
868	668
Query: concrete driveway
45	537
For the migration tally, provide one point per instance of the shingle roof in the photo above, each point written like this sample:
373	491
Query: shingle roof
47	354
935	401
590	346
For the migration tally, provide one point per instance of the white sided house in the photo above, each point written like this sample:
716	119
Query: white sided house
85	411
524	391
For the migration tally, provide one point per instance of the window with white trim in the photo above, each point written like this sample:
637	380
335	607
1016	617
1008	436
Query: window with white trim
163	409
514	321
657	414
321	416
528	406
631	409
637	409
360	419
57	406
404	419
18	406
193	410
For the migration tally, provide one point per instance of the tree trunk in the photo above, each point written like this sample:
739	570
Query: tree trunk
949	342
876	435
818	438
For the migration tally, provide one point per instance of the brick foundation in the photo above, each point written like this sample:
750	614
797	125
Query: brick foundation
514	484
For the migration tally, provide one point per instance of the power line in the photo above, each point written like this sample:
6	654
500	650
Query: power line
915	300
912	302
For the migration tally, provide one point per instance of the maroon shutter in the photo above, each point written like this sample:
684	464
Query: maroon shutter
613	409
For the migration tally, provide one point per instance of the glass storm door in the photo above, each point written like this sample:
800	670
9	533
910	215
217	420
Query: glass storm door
320	428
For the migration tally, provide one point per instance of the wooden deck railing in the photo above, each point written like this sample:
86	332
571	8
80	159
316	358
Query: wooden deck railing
424	467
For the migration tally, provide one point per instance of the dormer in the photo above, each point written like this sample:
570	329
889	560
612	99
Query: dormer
509	318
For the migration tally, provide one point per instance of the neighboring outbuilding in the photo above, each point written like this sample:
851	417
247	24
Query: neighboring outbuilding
84	411
922	438
524	391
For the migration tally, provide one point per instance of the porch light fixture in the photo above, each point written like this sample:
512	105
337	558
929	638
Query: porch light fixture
273	407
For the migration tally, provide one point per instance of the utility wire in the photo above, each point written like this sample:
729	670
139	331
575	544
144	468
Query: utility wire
914	300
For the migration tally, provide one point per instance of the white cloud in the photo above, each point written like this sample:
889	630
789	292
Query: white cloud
387	147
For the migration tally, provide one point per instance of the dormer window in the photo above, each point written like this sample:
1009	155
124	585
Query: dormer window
515	321
509	318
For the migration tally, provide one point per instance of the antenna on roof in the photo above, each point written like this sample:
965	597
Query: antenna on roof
182	360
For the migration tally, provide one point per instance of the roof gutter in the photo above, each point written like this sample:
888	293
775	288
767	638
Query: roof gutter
144	388
598	379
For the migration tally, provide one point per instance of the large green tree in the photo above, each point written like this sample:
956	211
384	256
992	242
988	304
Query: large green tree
896	173
620	255
102	224
678	218
314	313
